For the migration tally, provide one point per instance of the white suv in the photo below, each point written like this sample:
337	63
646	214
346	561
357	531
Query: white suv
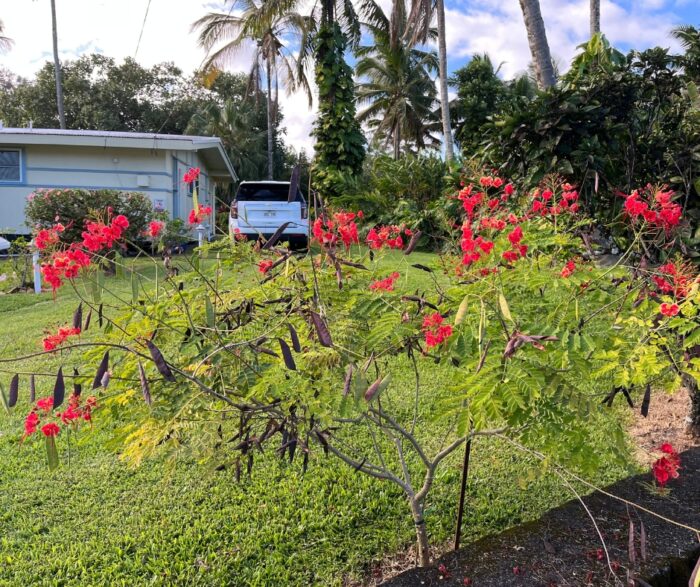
261	207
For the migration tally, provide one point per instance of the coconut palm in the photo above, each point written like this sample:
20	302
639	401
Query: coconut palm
689	38
595	17
5	42
537	39
57	68
269	35
420	18
396	83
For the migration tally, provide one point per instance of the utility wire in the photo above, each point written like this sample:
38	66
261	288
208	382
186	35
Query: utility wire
143	26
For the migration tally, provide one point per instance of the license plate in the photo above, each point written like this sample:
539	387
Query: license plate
270	214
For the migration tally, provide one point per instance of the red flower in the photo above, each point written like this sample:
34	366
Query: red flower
568	269
53	341
45	404
509	189
510	256
264	266
386	284
669	309
195	218
191	174
667	466
31	422
434	330
50	429
155	228
516	235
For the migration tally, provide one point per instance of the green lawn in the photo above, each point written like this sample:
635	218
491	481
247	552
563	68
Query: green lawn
97	522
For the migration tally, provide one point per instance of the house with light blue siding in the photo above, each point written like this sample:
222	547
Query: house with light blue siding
154	164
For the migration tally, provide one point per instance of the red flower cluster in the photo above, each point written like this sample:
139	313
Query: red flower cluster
666	467
47	237
341	226
64	265
74	412
517	249
390	236
654	207
100	236
568	269
191	175
264	266
669	309
53	341
545	201
386	284
674	279
154	229
198	218
469	246
434	330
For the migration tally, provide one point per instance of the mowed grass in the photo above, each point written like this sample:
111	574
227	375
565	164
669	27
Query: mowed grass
98	522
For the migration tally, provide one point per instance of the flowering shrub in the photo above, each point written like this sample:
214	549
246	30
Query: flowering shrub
533	344
66	212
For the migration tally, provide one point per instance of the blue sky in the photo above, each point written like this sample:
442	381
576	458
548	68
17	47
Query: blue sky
494	26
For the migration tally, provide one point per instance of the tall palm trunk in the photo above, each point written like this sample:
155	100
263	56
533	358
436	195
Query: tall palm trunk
397	143
537	39
595	17
270	126
57	68
442	72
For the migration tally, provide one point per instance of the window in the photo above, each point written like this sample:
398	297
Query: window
10	166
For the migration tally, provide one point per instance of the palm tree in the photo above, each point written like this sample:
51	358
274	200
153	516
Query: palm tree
537	39
422	12
689	38
595	17
396	83
268	33
57	68
5	42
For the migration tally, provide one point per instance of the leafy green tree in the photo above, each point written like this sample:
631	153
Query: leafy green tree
689	38
395	83
268	33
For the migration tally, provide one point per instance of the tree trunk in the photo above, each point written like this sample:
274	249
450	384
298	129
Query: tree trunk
270	137
537	39
692	386
397	144
444	98
595	17
423	554
57	68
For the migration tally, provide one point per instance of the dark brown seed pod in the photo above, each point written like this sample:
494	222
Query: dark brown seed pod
287	355
372	390
295	338
646	401
32	388
324	335
59	389
87	321
145	389
422	267
14	391
353	264
348	380
628	397
412	243
101	370
78	317
99	316
266	351
159	361
77	387
272	241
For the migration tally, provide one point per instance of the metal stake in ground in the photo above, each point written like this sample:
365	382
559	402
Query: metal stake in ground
462	493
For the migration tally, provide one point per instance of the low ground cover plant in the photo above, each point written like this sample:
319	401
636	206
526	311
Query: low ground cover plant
298	356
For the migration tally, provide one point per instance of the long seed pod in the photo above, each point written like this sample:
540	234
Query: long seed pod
646	401
78	317
145	389
59	389
412	243
287	355
324	336
348	380
372	390
101	370
422	267
105	379
159	361
99	316
14	391
32	388
87	321
295	338
77	387
338	275
272	241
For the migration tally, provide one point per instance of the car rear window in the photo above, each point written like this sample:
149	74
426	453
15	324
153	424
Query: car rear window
265	193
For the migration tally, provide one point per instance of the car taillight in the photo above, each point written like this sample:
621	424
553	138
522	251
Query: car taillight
304	211
234	210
